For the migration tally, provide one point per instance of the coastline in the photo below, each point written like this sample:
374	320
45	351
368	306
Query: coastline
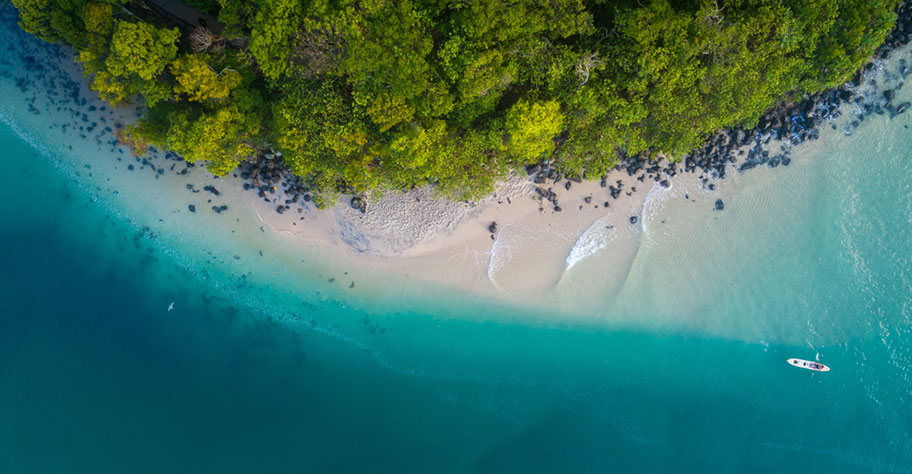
428	235
536	257
156	318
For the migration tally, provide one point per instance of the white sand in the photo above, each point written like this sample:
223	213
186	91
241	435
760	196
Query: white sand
402	241
449	242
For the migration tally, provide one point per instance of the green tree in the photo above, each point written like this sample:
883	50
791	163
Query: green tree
532	128
222	138
98	18
141	49
198	81
271	31
374	94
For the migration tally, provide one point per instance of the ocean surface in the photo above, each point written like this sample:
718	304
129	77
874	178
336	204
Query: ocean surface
670	358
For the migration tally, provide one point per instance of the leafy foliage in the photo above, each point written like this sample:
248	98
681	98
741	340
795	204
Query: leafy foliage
198	81
372	94
141	49
532	128
219	137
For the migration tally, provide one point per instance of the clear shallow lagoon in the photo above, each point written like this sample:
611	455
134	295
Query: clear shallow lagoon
681	368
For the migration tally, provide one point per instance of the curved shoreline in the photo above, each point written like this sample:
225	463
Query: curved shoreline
451	243
770	143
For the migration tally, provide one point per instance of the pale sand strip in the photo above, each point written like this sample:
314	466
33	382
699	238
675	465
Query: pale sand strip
404	238
412	234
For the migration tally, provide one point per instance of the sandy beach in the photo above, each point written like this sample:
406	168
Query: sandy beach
412	234
156	318
403	242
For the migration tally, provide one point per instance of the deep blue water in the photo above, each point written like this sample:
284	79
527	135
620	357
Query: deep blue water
96	376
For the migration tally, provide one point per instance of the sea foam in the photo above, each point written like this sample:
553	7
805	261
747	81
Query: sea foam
592	241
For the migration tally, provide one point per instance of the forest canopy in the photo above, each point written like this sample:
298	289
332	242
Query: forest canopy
362	95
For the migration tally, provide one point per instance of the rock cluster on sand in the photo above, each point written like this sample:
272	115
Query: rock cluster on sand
733	150
788	124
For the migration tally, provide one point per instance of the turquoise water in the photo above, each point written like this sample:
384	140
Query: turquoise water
681	369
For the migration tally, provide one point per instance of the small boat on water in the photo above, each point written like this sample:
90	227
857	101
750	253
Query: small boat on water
806	364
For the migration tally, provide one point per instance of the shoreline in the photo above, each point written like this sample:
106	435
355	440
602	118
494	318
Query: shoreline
527	258
770	143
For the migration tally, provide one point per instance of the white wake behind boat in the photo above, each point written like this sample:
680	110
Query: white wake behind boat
806	364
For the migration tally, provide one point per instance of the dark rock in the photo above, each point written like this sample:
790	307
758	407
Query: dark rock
212	190
633	219
557	209
192	208
587	199
567	185
492	228
719	205
280	209
358	204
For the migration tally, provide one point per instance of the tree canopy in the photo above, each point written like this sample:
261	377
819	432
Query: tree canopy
374	94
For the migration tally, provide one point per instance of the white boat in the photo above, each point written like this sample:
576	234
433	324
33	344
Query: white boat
806	364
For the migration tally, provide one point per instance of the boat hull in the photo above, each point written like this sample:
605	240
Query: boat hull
809	365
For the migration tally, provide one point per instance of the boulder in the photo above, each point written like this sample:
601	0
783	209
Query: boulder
358	204
719	205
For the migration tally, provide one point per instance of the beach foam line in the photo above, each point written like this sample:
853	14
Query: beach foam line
501	251
592	241
655	201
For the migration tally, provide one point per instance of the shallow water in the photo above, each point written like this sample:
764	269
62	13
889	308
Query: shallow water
671	357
